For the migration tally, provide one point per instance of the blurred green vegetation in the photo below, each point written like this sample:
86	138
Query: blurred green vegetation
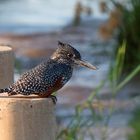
135	125
129	30
123	22
80	125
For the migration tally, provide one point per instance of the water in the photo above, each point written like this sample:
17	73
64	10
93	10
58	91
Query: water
27	16
33	15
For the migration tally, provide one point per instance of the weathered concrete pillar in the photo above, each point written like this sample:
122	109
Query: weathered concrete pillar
23	118
6	66
27	119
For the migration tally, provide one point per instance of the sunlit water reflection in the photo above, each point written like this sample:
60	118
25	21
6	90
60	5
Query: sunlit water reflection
27	16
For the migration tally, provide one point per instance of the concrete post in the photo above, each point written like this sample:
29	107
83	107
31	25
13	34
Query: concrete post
27	119
6	66
23	118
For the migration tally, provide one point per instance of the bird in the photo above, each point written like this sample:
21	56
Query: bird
49	76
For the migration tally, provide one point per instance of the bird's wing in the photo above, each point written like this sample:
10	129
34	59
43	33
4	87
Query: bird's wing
42	80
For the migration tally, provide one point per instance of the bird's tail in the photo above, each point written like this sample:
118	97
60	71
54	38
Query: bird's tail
4	90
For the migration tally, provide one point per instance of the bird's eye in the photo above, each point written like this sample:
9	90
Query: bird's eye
70	55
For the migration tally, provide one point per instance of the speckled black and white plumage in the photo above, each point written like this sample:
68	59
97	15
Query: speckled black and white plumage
42	78
49	76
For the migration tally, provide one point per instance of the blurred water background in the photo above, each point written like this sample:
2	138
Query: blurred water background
33	27
46	16
29	16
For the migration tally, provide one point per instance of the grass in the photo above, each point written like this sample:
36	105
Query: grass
129	30
123	24
80	125
127	59
135	125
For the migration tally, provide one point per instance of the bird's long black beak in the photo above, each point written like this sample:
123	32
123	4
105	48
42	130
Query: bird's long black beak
85	64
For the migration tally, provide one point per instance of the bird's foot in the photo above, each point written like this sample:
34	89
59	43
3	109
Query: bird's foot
54	99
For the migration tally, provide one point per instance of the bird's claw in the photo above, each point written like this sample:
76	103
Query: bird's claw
54	99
